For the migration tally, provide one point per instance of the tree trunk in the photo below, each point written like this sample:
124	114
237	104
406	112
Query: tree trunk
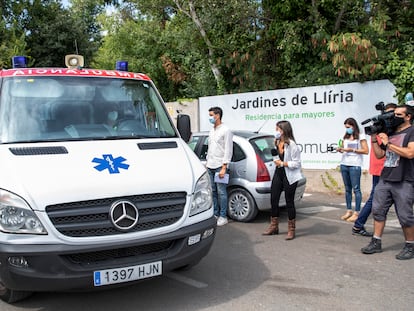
194	17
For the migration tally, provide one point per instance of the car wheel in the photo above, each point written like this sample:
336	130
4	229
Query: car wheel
8	295
242	206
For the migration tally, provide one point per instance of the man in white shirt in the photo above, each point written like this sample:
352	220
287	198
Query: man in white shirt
220	151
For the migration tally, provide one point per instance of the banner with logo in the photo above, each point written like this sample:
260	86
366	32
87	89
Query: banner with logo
317	114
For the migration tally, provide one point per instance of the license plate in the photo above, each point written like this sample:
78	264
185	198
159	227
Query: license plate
127	274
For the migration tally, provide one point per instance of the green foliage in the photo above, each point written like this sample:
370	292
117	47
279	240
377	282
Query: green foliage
45	31
194	48
11	47
137	41
12	41
353	55
400	69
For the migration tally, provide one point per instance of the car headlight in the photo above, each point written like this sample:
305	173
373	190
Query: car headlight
202	197
16	216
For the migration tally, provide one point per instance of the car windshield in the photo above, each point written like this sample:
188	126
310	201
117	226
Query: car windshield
58	108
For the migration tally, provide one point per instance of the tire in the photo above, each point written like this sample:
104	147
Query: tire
241	205
10	295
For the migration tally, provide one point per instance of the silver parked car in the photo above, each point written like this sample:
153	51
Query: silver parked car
251	172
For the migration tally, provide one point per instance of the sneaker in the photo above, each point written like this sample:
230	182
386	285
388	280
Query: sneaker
407	252
221	221
373	247
361	232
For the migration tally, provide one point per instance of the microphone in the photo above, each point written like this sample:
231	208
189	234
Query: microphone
275	154
366	121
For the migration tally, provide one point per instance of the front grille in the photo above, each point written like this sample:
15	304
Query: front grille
120	253
92	218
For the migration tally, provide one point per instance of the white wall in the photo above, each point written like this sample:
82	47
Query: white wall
185	107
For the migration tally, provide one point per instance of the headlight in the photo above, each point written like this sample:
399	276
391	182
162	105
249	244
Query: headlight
16	216
202	198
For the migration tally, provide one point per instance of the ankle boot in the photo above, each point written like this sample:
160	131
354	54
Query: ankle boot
273	227
291	229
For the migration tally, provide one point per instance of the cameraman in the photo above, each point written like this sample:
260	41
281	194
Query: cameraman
396	184
375	169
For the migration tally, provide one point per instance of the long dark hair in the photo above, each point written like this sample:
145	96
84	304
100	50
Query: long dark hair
354	124
287	130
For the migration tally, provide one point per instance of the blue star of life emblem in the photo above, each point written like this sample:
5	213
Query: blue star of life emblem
110	163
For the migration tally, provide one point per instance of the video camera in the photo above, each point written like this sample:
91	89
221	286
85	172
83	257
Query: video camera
381	123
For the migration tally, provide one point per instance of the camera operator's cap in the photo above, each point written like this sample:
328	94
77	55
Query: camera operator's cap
409	99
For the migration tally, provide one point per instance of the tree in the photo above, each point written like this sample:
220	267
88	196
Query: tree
45	31
84	14
395	24
401	71
132	37
211	30
208	47
322	42
12	41
54	31
353	56
189	9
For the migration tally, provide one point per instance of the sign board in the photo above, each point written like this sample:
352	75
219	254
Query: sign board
317	114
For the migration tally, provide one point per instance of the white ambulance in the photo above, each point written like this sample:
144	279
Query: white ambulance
97	187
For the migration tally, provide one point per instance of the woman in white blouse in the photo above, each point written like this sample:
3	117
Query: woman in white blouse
285	178
353	146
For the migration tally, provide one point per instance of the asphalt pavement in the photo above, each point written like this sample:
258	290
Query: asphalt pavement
322	269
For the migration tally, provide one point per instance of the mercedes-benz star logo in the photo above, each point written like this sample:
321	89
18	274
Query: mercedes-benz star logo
124	215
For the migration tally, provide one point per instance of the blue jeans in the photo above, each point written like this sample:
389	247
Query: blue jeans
351	176
219	194
366	210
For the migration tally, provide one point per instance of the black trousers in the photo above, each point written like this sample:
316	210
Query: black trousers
280	183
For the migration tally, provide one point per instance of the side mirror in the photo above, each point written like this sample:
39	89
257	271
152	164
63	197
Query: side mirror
184	126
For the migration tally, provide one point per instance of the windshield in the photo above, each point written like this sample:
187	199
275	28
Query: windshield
60	108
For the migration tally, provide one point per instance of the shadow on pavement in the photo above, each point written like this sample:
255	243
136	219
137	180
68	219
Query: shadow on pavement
221	275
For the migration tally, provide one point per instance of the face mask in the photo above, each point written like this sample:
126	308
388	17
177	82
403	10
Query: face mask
113	115
212	120
397	121
278	135
349	130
